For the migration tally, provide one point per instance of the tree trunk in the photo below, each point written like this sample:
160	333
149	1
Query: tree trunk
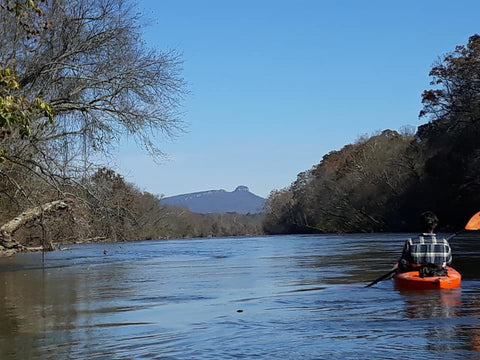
7	239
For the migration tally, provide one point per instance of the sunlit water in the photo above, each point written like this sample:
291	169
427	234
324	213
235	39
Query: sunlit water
286	297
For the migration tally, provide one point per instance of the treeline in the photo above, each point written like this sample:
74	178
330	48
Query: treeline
382	182
118	211
74	82
104	207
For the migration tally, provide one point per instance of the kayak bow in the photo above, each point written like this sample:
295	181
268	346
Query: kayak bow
411	280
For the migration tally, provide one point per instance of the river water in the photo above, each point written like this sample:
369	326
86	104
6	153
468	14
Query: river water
279	297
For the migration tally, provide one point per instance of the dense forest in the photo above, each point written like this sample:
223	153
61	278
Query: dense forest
382	182
74	81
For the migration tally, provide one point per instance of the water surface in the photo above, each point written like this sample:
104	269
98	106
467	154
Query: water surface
282	297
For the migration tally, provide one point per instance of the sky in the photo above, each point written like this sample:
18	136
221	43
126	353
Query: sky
275	85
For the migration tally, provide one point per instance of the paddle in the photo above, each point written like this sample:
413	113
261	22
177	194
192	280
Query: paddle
473	224
383	277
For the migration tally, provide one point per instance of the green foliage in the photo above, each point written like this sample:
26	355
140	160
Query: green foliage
29	15
16	111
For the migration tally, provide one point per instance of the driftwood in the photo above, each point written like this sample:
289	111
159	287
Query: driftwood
7	231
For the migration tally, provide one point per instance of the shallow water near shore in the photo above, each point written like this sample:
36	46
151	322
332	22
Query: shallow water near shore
279	297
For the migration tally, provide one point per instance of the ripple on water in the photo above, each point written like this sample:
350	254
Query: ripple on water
292	297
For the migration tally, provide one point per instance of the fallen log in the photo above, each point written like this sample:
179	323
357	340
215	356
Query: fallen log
7	231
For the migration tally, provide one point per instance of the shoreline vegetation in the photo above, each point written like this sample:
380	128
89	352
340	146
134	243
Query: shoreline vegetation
131	215
66	104
75	82
382	182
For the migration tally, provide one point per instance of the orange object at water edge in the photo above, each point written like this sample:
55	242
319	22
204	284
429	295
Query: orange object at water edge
474	222
411	280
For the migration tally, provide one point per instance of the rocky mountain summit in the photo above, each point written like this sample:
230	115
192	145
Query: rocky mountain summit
241	201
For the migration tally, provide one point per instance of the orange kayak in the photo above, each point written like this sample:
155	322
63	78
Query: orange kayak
411	280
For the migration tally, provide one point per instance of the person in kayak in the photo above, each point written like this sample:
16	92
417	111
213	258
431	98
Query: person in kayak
427	254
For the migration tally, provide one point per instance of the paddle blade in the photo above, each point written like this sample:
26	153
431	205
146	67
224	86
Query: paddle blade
474	222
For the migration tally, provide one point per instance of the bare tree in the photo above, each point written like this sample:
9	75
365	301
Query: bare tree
92	66
88	64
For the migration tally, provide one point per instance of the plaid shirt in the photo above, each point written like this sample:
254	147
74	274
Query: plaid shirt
426	249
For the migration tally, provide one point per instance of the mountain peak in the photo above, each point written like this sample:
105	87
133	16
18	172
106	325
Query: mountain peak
242	188
241	200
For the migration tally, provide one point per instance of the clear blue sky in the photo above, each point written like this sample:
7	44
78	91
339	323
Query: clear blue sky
275	85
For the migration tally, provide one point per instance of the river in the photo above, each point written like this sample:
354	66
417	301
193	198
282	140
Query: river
279	297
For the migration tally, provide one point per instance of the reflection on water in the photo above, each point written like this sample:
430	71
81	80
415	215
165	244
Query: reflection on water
269	298
432	304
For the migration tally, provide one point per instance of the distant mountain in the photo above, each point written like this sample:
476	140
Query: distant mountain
241	201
